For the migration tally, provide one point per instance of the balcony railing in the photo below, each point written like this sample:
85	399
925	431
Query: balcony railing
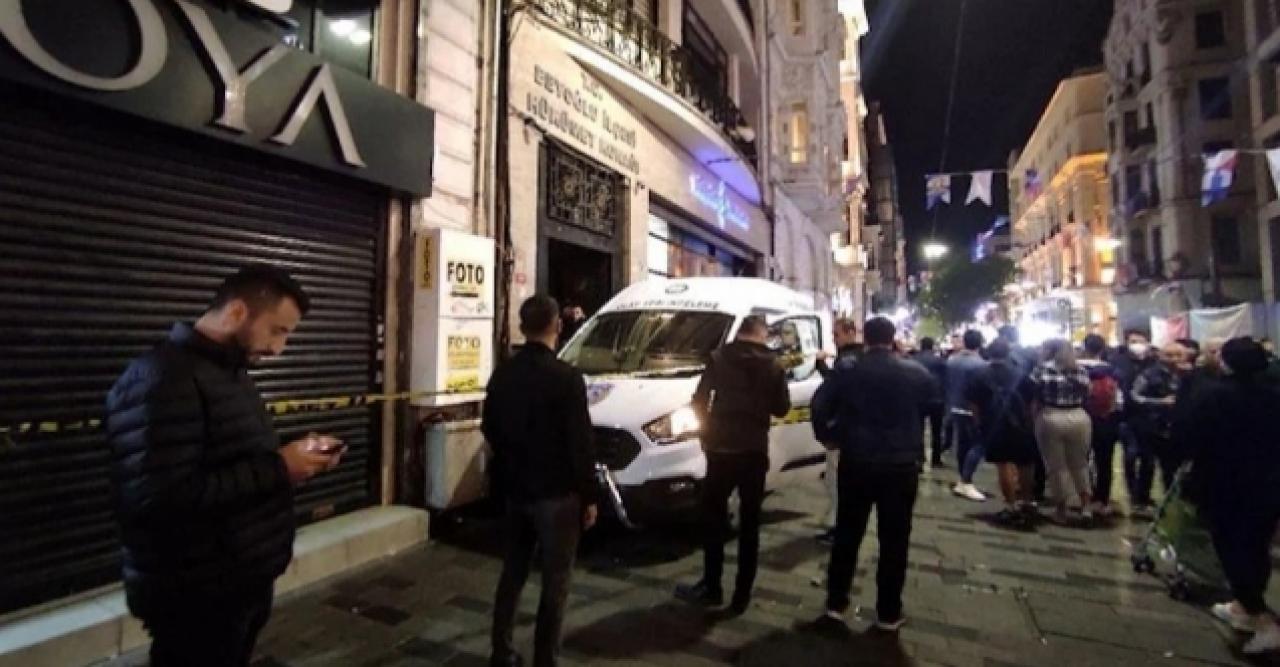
630	37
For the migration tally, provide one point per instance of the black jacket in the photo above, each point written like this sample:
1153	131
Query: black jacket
1235	445
937	367
537	421
204	499
846	357
877	406
742	387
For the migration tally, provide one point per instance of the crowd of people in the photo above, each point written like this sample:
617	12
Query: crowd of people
205	491
1050	421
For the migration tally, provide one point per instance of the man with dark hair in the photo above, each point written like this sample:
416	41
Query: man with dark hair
574	317
879	403
537	422
936	410
1154	395
204	490
741	388
1105	405
962	368
1000	397
1236	483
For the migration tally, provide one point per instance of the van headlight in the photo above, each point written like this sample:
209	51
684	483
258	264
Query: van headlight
679	426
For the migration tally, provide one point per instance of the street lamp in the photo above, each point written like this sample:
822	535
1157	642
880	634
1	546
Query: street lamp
934	250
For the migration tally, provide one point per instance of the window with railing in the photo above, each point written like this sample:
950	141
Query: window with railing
710	62
614	27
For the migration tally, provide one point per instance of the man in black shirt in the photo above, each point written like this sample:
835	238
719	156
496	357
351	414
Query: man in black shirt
537	422
934	411
879	403
742	387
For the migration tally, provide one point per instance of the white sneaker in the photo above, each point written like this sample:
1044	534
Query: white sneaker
968	492
891	626
1265	640
1227	613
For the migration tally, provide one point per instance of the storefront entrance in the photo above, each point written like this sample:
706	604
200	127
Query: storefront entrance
580	229
579	276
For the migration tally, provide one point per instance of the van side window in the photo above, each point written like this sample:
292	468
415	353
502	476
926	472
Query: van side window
797	341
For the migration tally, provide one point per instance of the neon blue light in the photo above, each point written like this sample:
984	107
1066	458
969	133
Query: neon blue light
714	195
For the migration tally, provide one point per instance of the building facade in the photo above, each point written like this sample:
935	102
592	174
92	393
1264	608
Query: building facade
883	231
851	253
809	125
133	187
1060	207
1177	90
1262	38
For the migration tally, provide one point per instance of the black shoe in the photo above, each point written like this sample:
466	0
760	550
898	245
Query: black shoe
700	593
513	660
826	537
740	604
828	625
1009	518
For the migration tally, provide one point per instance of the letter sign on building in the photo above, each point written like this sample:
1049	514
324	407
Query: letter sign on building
200	67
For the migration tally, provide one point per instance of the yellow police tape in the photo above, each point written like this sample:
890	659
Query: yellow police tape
277	408
799	415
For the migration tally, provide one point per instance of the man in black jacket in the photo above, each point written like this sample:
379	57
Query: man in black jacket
537	422
204	491
742	387
879	402
934	412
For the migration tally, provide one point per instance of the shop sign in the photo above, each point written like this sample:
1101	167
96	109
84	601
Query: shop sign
579	114
712	193
194	65
462	363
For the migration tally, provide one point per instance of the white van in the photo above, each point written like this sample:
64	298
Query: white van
643	354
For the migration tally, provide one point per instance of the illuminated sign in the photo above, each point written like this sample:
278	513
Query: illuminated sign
714	195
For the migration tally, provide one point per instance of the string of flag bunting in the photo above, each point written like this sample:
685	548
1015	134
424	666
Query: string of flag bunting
1215	186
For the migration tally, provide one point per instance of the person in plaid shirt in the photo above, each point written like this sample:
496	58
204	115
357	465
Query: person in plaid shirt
1063	429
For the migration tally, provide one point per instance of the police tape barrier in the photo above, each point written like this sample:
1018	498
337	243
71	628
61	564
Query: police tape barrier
8	432
280	408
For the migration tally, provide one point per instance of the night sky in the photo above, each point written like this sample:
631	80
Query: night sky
1013	54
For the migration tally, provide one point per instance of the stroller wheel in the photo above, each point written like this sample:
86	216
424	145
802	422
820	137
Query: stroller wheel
1180	590
1143	564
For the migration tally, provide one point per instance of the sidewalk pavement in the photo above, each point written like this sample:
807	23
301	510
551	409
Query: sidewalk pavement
977	596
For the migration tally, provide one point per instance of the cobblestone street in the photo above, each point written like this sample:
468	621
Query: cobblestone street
977	595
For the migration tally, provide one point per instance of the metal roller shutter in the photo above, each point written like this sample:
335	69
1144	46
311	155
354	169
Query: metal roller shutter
107	237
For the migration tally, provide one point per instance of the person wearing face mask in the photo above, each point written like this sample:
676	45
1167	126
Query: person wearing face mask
1155	394
1128	362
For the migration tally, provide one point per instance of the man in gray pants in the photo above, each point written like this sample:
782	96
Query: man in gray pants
536	420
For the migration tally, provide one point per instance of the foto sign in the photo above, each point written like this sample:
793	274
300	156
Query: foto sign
191	64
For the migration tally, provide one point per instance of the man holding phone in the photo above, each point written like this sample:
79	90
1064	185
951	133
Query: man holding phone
204	491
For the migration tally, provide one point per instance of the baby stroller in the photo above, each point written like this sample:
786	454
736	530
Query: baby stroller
1178	547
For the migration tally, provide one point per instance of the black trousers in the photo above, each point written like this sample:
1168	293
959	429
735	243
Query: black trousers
554	526
892	491
202	630
933	416
726	472
1106	432
1242	534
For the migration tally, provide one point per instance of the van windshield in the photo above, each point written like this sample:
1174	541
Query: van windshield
647	341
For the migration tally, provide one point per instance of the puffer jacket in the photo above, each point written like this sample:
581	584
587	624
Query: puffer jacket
203	497
742	387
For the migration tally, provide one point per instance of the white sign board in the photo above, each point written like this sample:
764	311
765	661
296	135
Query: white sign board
453	307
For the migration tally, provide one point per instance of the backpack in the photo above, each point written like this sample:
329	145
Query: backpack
1103	389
